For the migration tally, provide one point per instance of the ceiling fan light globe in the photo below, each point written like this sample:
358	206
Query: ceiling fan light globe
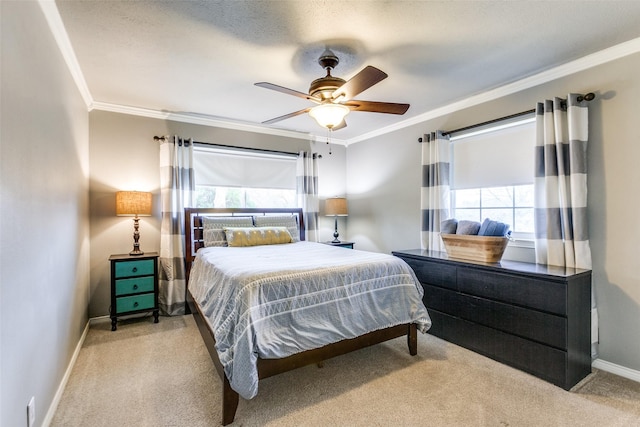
329	115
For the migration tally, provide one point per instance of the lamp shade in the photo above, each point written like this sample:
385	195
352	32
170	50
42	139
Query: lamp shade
329	115
130	203
336	206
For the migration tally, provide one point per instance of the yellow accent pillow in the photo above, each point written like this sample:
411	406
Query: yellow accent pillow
255	236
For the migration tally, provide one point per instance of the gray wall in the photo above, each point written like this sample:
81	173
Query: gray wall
124	156
383	176
44	229
58	225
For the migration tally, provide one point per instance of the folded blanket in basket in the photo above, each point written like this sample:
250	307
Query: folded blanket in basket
493	228
449	226
468	227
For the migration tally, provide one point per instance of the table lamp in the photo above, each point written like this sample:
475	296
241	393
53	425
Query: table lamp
136	203
336	206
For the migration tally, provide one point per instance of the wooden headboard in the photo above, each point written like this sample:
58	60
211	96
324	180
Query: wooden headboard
193	225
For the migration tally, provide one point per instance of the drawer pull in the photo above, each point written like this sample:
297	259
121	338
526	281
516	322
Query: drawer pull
135	304
135	269
135	287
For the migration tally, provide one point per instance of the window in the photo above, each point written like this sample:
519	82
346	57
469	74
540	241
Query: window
492	176
512	205
228	178
211	196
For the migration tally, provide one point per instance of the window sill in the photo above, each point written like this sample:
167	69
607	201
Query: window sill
522	243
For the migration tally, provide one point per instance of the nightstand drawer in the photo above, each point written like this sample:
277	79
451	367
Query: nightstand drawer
134	286
135	302
143	267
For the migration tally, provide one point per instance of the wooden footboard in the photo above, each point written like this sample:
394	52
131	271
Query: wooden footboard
270	367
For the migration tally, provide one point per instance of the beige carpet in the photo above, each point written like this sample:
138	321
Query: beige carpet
147	374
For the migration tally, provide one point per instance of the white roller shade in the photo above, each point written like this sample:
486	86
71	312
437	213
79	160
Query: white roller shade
495	158
226	168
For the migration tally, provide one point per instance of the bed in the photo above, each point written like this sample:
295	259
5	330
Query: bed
284	306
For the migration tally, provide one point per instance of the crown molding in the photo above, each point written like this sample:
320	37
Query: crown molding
62	39
52	16
197	119
610	54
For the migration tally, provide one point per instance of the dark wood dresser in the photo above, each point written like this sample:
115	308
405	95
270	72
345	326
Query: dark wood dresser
533	317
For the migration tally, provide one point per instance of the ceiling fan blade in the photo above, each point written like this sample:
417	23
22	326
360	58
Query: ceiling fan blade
359	83
286	116
377	107
288	91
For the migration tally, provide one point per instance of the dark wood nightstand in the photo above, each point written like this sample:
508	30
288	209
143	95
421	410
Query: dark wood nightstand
348	245
134	285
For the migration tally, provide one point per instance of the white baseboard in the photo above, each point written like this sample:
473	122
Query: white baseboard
56	399
616	369
99	319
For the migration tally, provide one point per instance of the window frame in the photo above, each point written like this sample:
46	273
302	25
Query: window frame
249	153
518	238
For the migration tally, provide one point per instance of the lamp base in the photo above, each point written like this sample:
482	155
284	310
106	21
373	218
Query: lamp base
136	236
335	233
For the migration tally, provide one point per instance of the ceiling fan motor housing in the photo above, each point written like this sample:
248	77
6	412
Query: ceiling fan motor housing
325	86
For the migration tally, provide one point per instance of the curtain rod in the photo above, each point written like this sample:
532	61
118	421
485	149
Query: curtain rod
260	150
488	122
588	97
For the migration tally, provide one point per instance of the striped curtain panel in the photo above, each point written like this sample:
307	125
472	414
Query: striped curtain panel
307	192
176	189
561	226
434	197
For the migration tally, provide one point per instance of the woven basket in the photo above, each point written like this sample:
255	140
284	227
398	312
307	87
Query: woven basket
476	248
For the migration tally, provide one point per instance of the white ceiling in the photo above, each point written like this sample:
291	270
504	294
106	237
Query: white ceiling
202	58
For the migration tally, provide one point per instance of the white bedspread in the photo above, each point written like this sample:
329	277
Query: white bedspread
277	300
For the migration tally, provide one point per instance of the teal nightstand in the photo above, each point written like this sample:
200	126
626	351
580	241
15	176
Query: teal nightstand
134	285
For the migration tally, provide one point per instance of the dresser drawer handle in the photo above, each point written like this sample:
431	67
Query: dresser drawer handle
135	287
135	304
135	269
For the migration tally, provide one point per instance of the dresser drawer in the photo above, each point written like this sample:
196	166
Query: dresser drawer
522	290
135	303
433	273
143	267
535	325
135	285
542	361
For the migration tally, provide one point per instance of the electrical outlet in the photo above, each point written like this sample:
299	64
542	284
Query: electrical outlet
31	412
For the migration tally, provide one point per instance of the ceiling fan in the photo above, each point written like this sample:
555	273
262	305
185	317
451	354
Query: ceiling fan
334	95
